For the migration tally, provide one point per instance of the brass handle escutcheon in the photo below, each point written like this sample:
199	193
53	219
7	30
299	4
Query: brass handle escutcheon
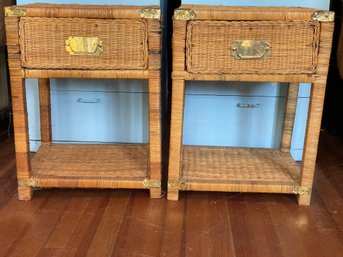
250	49
84	46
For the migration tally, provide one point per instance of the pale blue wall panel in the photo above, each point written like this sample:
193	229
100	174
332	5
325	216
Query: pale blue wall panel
235	121
99	117
32	101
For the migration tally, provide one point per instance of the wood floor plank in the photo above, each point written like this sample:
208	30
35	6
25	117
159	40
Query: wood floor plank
50	252
252	227
6	147
330	198
142	229
312	230
108	230
173	234
208	226
85	228
219	226
286	229
42	226
5	167
75	207
196	239
8	183
309	228
16	219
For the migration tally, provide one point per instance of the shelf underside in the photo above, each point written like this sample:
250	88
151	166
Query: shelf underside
97	162
263	170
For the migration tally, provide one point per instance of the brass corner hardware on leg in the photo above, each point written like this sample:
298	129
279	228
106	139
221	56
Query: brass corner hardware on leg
27	183
298	190
15	11
149	183
148	13
184	14
178	185
323	16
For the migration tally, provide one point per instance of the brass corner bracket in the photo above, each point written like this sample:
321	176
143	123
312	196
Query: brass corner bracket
27	183
184	14
298	190
15	11
149	183
323	16
178	185
148	13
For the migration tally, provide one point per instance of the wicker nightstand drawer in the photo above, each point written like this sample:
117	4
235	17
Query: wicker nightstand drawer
80	43
252	47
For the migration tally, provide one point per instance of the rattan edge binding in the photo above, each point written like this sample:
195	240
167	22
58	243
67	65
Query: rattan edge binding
15	11
27	183
178	185
150	183
323	16
298	190
148	13
184	14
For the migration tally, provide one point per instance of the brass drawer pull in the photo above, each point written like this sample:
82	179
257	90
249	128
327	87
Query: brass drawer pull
248	106
84	101
84	46
250	49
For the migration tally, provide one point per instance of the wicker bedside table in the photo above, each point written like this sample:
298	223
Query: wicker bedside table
273	44
78	41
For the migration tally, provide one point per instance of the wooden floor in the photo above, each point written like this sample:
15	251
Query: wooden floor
98	223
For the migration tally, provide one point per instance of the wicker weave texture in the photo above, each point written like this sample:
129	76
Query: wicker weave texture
42	43
91	161
293	46
220	164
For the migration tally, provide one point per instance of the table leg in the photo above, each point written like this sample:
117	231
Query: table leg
45	113
155	134
288	125
175	157
311	141
21	137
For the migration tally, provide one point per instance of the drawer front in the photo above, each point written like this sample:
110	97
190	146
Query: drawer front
83	43
265	47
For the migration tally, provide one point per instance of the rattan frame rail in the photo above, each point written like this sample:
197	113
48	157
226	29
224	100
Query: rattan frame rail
206	168
84	166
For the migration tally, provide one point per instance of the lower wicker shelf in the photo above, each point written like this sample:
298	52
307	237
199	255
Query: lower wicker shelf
91	166
211	168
